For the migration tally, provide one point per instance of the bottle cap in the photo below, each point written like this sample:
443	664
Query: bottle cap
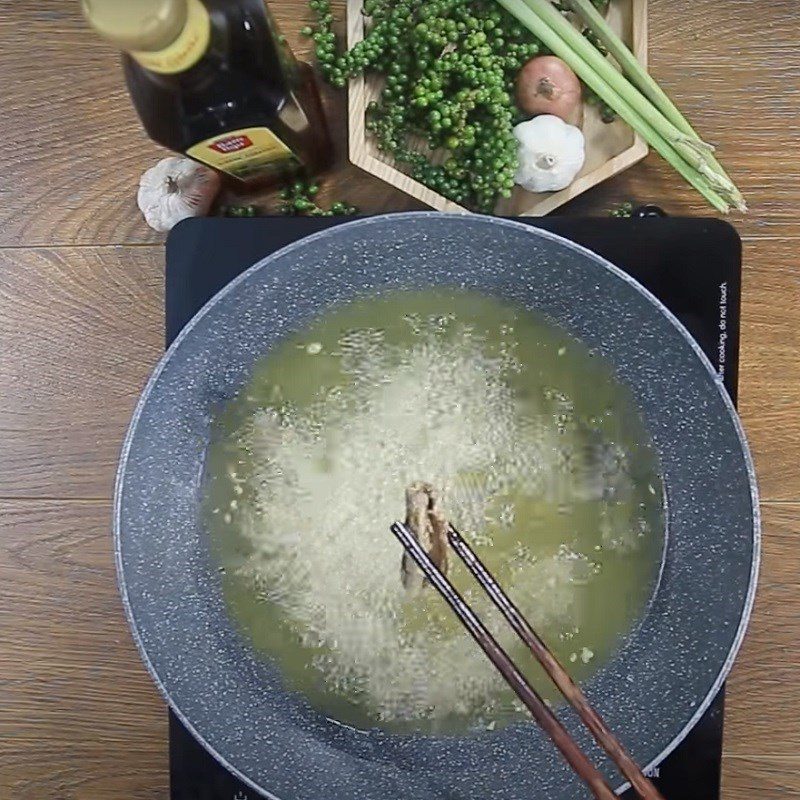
145	25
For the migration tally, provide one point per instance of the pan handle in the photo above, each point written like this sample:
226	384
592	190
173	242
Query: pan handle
649	210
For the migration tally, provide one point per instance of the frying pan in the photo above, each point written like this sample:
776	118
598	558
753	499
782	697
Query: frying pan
662	677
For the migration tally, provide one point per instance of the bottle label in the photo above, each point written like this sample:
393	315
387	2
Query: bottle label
245	154
187	49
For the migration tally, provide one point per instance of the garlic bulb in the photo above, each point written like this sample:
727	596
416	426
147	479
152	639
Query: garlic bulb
551	153
174	189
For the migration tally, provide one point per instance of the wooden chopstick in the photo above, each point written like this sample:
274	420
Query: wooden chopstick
574	756
571	691
572	753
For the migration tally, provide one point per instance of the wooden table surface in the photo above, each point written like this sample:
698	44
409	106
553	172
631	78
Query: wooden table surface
81	316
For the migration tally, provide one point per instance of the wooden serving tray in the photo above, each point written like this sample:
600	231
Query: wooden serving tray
609	148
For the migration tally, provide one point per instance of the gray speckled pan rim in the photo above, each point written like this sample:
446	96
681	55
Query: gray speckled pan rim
756	531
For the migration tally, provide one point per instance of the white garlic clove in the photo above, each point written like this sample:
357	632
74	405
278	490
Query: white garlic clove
551	153
174	189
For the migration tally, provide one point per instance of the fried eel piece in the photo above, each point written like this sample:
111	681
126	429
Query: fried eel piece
426	521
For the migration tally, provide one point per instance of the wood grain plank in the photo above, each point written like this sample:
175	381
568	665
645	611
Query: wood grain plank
65	107
79	716
734	70
760	779
769	379
761	714
81	328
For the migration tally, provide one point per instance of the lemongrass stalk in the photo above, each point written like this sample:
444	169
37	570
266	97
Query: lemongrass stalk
641	77
551	40
568	43
572	43
562	39
630	64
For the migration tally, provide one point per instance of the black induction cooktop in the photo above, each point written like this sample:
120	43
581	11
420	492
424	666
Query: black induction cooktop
692	265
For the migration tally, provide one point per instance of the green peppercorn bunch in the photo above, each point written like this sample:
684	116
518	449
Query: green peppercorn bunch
297	199
622	211
446	112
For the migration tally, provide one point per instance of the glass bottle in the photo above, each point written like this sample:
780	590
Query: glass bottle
214	79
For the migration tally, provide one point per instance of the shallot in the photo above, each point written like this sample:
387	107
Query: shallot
547	85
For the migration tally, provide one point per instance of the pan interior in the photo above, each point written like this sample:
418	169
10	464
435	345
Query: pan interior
238	704
536	452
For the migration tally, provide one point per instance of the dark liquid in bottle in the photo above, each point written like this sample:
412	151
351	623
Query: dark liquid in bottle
247	93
